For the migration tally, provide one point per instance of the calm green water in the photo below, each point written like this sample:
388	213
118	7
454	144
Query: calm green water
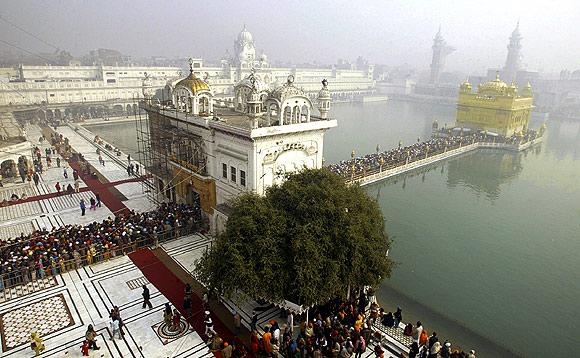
488	243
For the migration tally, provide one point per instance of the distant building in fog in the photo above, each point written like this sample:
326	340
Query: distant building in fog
440	51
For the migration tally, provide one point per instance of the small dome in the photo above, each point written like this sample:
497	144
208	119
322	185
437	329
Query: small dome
194	84
287	90
245	35
496	86
251	81
324	92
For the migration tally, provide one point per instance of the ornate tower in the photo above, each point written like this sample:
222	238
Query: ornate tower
244	49
147	87
253	102
324	99
440	52
512	62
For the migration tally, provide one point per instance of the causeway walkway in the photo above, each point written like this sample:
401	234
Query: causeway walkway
373	176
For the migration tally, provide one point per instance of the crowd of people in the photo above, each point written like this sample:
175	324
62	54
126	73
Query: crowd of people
346	330
449	139
33	256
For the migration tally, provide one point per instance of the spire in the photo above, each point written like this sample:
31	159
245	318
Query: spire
438	35
190	66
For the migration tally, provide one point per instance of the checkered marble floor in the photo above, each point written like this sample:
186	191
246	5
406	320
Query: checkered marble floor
27	289
61	314
43	317
137	283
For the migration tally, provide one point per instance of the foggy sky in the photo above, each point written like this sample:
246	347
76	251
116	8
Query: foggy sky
384	32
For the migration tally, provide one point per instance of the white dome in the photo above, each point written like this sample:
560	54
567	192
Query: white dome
245	35
261	86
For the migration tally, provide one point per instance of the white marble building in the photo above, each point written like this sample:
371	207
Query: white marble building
346	83
81	84
199	150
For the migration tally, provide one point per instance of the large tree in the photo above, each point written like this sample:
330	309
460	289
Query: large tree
307	240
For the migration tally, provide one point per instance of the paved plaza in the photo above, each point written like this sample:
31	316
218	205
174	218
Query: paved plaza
42	209
60	313
60	308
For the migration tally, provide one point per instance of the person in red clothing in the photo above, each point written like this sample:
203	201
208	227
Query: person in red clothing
254	343
176	320
57	187
85	348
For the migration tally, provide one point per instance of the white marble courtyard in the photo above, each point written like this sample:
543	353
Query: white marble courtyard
62	312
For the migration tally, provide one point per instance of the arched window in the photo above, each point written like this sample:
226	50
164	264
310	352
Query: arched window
304	114
296	114
287	117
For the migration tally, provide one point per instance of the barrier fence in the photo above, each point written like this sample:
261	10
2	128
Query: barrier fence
355	174
93	255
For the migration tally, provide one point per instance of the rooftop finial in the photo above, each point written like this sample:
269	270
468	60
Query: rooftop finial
190	65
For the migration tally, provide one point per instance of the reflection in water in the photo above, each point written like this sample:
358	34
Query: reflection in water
484	171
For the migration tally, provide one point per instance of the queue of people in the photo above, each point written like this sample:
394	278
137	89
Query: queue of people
347	330
448	140
29	257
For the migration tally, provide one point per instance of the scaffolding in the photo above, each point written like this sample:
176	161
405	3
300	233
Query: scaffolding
169	151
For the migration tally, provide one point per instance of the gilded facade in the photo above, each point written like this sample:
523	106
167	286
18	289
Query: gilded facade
495	107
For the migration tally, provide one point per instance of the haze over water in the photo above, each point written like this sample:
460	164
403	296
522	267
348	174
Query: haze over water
488	243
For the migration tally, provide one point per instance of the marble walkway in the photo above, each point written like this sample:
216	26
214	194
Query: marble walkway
43	210
61	312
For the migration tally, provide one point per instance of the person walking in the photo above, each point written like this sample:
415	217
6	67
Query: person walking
57	187
83	207
360	346
75	175
237	322
208	323
176	319
98	197
93	204
187	306
254	321
65	173
146	297
58	162
36	178
398	316
114	324
69	190
91	337
167	314
77	186
36	343
128	159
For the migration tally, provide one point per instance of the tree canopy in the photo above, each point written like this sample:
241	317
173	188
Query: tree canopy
307	240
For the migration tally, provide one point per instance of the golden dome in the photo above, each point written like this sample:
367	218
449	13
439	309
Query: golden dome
496	86
194	84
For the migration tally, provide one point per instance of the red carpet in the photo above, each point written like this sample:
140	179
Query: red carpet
172	288
82	190
107	198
